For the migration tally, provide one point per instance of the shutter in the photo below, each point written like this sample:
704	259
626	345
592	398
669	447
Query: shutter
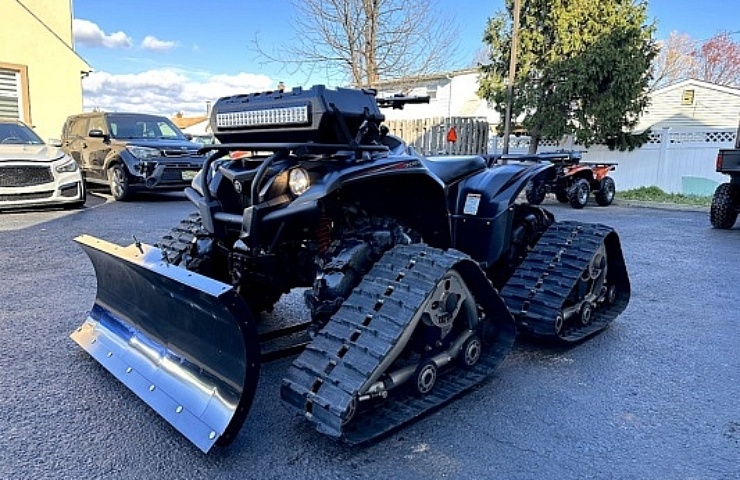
9	94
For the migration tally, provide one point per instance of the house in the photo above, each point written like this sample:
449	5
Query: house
691	105
451	94
40	72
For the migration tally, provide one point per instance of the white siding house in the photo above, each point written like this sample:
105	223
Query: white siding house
691	105
452	94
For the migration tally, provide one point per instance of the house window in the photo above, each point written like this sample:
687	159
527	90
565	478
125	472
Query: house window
432	91
687	98
13	92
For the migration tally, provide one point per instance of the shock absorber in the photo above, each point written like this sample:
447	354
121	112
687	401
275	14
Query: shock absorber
323	233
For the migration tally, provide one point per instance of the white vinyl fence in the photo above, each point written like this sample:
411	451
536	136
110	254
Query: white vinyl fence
677	161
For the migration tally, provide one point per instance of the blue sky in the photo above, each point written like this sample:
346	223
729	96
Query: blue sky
166	56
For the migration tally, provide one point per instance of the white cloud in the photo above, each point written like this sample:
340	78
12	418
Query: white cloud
90	34
165	91
156	45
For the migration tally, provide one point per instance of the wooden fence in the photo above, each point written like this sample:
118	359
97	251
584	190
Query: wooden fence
429	135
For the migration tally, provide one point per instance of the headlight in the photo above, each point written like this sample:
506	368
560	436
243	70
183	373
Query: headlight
143	153
298	181
68	166
196	182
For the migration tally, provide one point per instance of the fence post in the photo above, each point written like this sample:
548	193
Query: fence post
665	140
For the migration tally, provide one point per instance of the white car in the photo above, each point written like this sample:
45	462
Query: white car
33	173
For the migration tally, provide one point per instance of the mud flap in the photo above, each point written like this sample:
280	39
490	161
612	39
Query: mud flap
184	343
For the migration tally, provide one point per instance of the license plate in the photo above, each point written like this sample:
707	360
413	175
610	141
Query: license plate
189	174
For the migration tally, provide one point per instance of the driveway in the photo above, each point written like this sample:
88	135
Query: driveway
653	396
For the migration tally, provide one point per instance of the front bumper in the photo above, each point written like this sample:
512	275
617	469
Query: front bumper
66	188
166	175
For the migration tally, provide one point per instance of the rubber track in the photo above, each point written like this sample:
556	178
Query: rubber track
178	241
537	290
325	378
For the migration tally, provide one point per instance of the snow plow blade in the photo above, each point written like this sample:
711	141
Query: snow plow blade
184	343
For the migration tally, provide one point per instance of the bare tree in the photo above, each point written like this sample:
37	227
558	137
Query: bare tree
675	61
365	41
715	60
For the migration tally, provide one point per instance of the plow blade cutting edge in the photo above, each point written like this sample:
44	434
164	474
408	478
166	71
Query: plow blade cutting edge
184	343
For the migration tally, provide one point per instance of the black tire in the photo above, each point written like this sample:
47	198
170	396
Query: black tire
119	183
561	195
605	195
578	193
723	212
535	193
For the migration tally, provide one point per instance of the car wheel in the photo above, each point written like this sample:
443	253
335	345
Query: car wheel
535	192
578	193
725	203
118	181
605	195
561	195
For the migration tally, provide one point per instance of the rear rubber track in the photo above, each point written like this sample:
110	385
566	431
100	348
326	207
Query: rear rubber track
538	289
322	383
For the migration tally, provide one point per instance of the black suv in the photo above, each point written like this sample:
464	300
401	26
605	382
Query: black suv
131	151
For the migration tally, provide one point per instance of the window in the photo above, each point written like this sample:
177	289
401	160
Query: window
78	127
432	91
14	92
687	98
96	123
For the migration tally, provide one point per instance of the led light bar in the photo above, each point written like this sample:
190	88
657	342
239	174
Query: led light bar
264	117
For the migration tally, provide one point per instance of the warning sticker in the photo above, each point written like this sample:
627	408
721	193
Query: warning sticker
472	201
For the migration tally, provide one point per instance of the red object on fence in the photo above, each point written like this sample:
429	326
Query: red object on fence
452	135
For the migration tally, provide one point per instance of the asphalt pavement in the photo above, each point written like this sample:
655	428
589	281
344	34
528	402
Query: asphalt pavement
655	396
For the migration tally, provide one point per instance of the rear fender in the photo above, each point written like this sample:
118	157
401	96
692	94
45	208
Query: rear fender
483	208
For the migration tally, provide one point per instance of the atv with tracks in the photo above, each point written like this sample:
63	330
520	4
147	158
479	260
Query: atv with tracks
573	181
417	273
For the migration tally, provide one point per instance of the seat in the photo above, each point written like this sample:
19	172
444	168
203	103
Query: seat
451	168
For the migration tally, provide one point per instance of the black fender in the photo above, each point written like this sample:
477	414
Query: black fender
482	208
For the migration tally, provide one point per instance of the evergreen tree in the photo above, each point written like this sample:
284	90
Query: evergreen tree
583	68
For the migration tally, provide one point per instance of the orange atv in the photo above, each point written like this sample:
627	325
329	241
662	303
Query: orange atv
573	180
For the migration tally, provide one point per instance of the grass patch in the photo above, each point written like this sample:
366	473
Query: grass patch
655	194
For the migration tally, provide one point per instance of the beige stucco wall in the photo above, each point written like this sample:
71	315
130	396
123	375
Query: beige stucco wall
42	41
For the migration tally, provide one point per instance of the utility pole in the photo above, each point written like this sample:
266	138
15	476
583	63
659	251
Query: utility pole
512	75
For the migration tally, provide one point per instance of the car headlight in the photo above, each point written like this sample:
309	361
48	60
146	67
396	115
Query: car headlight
68	166
143	153
196	182
298	181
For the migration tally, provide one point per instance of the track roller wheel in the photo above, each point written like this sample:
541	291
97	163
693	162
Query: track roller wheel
586	313
425	377
470	352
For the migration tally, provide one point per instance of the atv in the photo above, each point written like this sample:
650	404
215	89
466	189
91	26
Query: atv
572	181
417	273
